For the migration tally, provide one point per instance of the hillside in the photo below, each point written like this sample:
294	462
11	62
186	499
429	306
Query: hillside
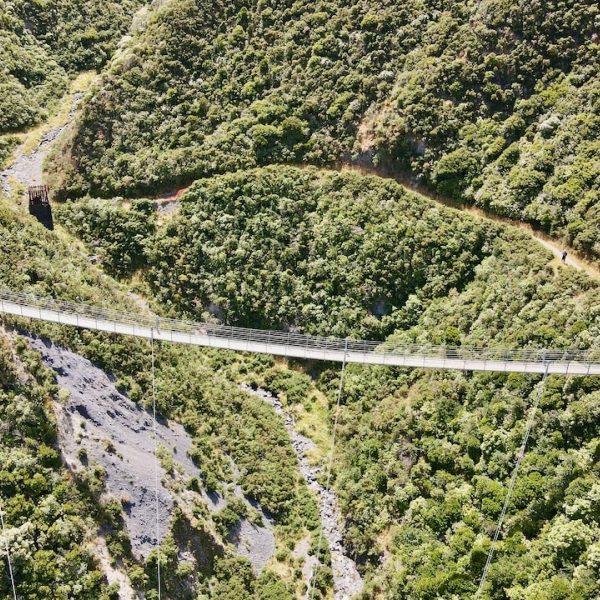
203	177
423	458
282	247
43	44
494	103
238	443
36	494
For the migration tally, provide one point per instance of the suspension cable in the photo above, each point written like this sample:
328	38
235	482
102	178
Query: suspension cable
156	469
8	560
330	462
513	479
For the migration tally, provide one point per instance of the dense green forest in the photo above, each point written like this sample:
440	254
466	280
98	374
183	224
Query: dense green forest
423	458
492	102
285	247
197	388
331	254
30	77
251	104
426	457
43	43
118	235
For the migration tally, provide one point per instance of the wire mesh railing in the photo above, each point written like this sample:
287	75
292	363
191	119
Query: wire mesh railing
292	339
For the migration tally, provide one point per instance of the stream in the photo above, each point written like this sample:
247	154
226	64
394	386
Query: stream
347	581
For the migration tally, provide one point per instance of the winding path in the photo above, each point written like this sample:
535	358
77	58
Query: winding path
28	170
407	181
167	201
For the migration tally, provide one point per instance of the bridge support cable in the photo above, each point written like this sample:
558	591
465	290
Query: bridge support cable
513	479
7	550
156	465
572	361
330	462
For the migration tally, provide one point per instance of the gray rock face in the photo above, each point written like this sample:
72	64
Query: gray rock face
117	434
255	542
347	581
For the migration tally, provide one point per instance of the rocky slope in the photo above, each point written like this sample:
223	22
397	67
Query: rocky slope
99	426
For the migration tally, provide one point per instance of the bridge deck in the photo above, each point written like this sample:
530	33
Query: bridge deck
564	362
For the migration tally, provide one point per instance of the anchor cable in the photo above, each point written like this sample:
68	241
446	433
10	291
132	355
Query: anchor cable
513	479
156	464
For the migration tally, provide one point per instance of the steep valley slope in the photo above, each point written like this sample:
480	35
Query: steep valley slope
239	447
490	101
422	458
493	103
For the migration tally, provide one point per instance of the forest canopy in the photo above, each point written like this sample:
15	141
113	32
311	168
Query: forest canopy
43	43
258	107
494	102
423	458
303	250
51	510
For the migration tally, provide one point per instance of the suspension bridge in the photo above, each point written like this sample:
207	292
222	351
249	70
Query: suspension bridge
295	345
526	360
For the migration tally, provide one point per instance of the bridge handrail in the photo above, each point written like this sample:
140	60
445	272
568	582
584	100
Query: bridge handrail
298	339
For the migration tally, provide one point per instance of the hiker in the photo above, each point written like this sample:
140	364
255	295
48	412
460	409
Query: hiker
564	256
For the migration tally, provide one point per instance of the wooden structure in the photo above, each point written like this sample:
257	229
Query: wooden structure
39	205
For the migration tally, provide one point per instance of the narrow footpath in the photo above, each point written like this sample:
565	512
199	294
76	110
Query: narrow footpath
27	169
407	181
169	201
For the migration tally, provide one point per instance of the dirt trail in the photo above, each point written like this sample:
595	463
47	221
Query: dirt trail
169	202
27	169
406	180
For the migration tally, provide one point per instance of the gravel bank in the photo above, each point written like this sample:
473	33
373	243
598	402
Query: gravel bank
117	434
28	169
255	542
347	581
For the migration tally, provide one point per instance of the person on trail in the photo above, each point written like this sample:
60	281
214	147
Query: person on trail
564	256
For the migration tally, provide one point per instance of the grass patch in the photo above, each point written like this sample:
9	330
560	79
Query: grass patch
31	139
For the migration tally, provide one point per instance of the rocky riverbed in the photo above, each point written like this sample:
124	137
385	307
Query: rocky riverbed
346	578
28	168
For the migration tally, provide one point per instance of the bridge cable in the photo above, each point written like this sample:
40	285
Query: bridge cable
513	479
330	462
8	560
156	465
